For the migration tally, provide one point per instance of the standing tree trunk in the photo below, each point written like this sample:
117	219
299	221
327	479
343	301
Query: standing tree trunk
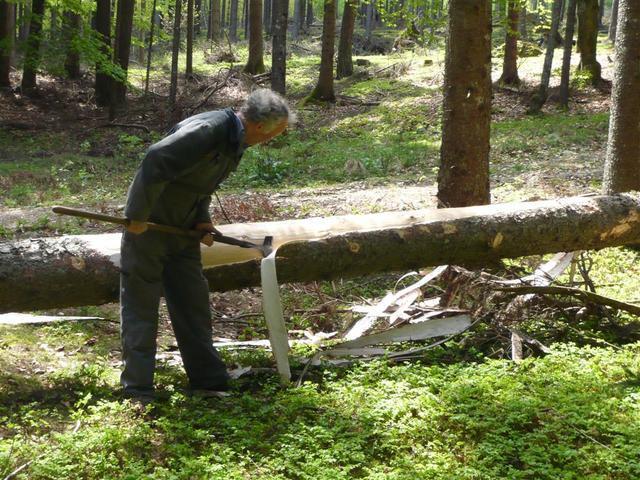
588	38
124	24
223	17
298	6
72	25
601	14
32	49
566	58
267	17
6	41
189	67
233	20
151	31
344	67
103	28
173	88
540	98
245	18
198	18
255	63
523	21
463	178
309	19
279	55
216	30
324	88
623	149
613	21
510	64
368	20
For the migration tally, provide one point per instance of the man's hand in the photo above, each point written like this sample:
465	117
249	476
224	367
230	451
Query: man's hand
137	227
207	238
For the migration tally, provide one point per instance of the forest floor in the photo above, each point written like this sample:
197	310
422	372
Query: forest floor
461	411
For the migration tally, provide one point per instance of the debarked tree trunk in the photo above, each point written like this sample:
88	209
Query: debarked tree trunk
69	271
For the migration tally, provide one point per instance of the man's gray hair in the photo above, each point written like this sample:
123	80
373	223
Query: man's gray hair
266	106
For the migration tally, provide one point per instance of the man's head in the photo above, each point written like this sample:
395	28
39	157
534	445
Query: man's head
265	114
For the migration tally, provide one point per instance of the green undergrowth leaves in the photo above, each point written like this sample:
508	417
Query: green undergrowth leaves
572	414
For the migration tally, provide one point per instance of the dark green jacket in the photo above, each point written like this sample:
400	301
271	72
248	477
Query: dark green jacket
174	182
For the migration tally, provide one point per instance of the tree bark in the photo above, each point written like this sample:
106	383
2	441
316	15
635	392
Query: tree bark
124	25
522	27
233	20
72	26
216	30
189	66
279	49
298	6
588	38
344	66
83	269
510	64
32	50
150	49
463	178
613	21
6	41
309	20
324	89
568	48
540	98
103	28
173	87
623	150
267	19
255	63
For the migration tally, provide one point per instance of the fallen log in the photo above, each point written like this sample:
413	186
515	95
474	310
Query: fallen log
46	273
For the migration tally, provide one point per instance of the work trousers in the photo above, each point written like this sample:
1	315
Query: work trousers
150	263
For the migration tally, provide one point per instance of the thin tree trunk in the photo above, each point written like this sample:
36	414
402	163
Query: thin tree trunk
189	67
223	17
309	13
198	18
368	25
32	50
510	64
266	17
588	39
6	41
73	23
540	98
279	55
613	22
233	21
463	178
601	14
344	67
216	30
324	89
245	17
82	271
566	59
255	63
298	5
175	52
103	29
141	33
623	149
151	31
122	49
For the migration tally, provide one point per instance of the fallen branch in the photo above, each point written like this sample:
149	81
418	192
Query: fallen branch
575	292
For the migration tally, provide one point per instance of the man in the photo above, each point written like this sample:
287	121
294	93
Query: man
173	186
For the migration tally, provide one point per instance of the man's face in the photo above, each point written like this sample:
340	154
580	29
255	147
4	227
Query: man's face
263	132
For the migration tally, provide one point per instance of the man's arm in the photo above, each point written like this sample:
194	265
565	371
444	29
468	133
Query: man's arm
166	160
